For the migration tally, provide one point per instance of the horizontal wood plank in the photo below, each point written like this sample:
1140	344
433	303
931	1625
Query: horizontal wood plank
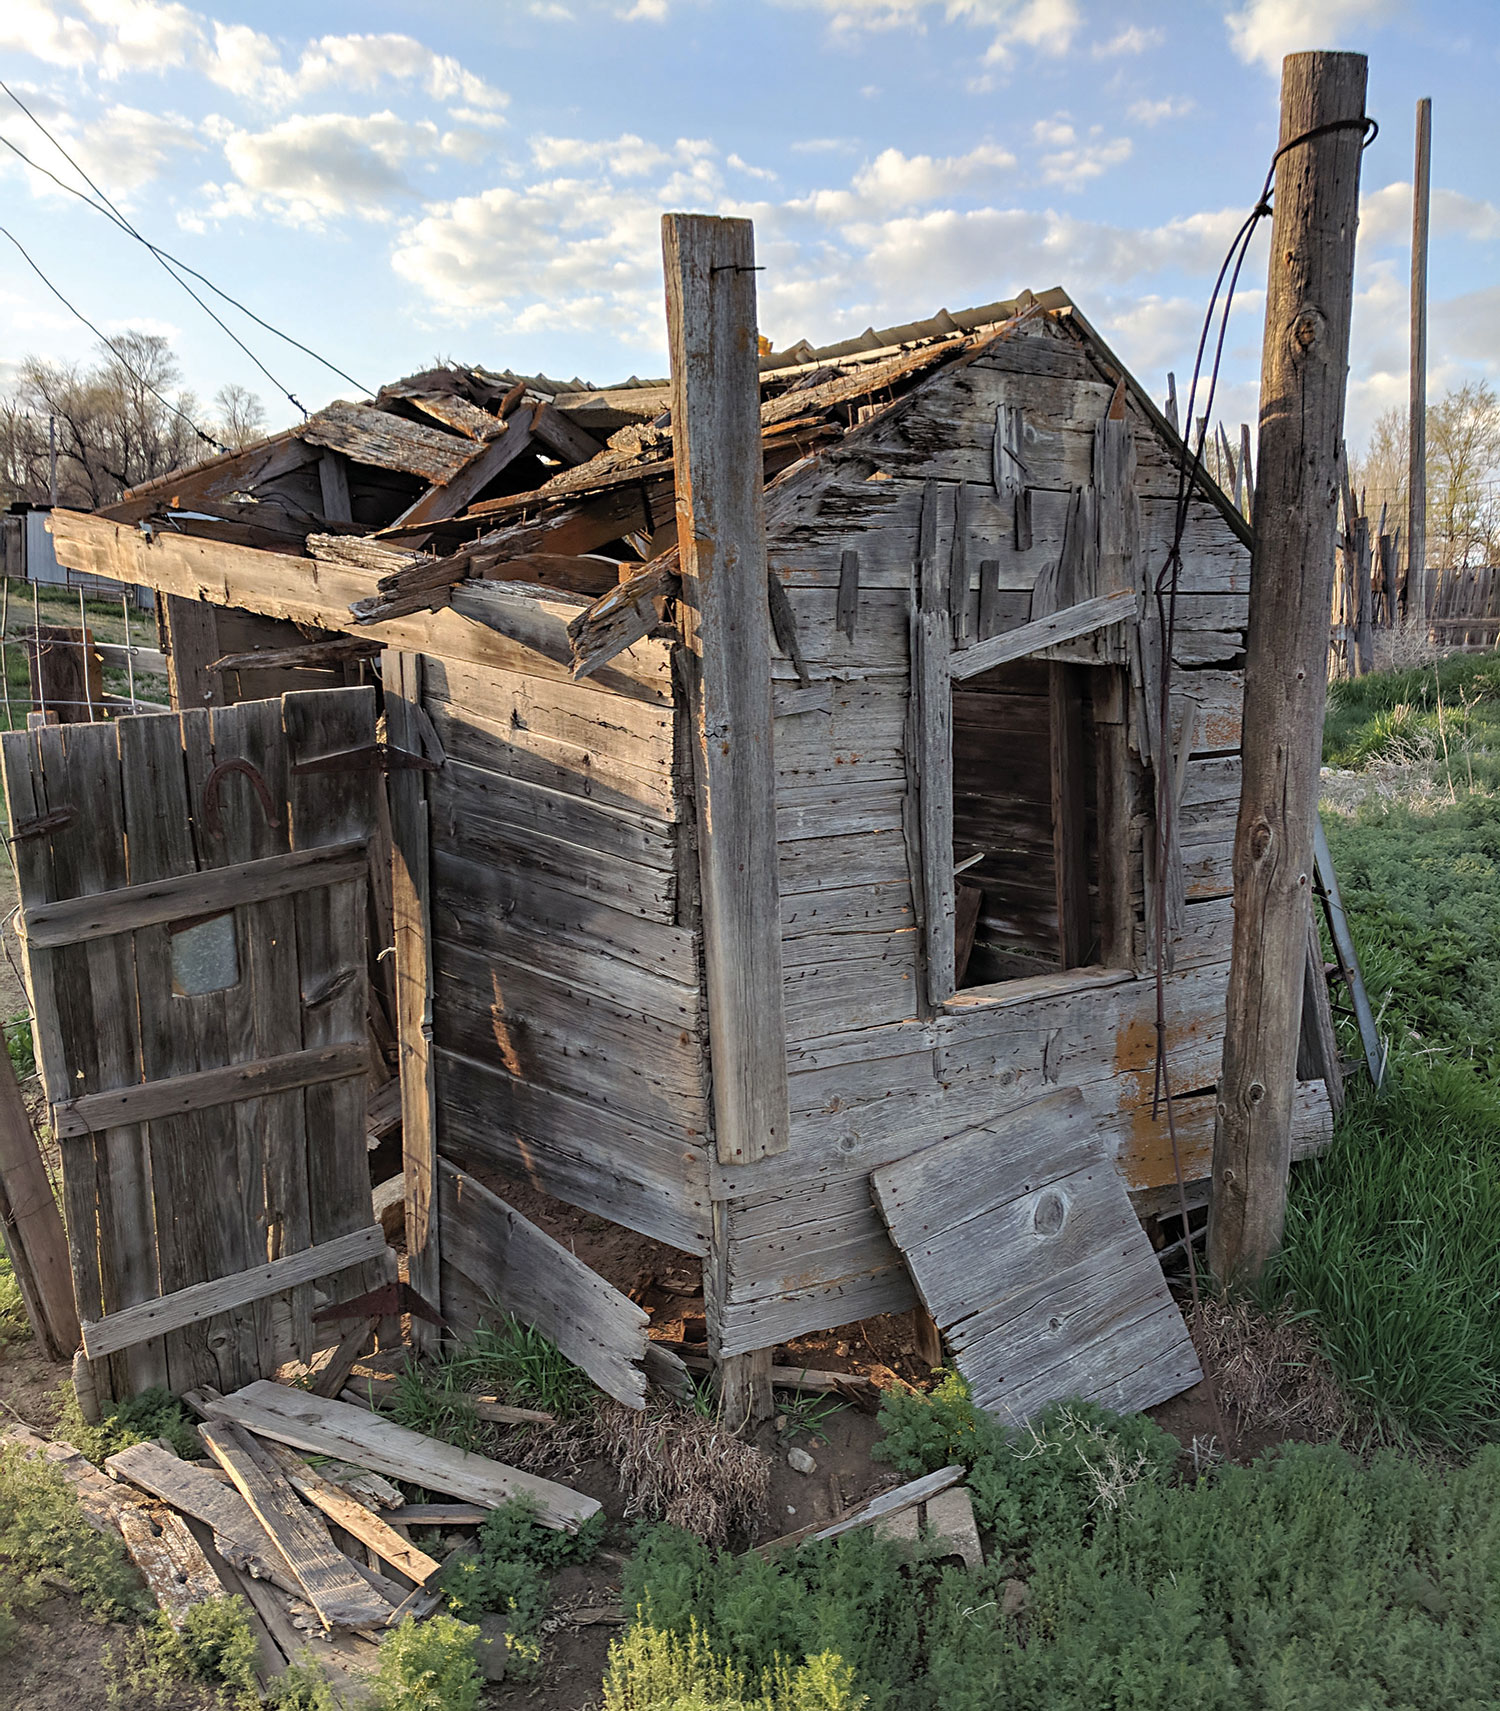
202	1300
205	1088
74	920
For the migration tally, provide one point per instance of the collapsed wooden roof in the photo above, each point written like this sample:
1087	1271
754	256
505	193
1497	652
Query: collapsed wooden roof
460	475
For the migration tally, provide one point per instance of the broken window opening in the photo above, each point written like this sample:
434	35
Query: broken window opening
1026	820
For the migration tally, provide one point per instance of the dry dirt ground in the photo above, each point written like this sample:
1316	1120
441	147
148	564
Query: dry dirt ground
59	1663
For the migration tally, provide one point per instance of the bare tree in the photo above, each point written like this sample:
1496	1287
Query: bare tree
240	415
1463	475
113	430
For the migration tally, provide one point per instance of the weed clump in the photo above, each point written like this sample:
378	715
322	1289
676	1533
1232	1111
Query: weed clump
428	1666
1307	1579
509	1571
153	1414
214	1647
653	1669
46	1543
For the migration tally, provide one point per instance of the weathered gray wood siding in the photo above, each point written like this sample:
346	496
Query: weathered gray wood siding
567	1012
870	1082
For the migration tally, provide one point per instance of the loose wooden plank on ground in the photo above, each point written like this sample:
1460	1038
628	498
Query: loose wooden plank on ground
326	1427
335	1590
354	1517
1023	1245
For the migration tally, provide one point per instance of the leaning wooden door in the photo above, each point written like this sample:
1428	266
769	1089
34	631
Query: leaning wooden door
193	912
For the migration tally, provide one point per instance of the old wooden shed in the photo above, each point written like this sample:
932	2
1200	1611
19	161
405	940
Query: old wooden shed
1002	785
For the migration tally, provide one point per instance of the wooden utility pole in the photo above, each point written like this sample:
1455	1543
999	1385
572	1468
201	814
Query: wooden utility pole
1418	588
711	328
1303	366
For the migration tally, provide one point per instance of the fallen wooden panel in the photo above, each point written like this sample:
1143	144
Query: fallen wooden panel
238	1536
201	1300
520	1269
1023	1245
371	436
331	1583
326	1427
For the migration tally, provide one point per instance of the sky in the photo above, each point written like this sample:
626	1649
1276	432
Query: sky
482	180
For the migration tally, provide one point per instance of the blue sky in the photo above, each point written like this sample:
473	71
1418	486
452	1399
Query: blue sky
390	182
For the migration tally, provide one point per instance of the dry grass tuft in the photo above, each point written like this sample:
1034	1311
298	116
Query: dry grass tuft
672	1462
1269	1369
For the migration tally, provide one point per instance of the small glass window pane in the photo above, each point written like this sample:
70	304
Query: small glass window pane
205	956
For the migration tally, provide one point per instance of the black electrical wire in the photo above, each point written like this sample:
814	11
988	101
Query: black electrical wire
110	345
169	261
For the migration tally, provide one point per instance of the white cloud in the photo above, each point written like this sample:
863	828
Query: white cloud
551	10
111	36
1048	26
823	145
316	167
646	11
249	64
1266	30
1132	39
1071	161
895	180
628	156
1385	216
1147	112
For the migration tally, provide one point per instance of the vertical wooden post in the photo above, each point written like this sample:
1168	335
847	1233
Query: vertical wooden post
1303	371
1419	590
711	326
31	1229
410	913
190	632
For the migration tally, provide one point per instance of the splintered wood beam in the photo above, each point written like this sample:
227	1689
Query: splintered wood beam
929	750
727	628
1304	367
1064	626
624	615
348	1433
353	1516
333	1586
486	461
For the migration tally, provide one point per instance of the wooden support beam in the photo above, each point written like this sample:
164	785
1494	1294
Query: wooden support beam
1073	621
1304	365
190	631
202	1300
726	622
1069	814
31	1225
411	911
727	627
1418	584
333	483
929	755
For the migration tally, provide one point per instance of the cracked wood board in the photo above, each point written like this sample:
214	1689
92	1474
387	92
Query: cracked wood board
1023	1245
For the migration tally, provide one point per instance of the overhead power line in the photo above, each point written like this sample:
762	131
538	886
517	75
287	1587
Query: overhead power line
110	345
168	261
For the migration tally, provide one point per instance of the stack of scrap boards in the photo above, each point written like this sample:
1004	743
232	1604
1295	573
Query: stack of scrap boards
297	1542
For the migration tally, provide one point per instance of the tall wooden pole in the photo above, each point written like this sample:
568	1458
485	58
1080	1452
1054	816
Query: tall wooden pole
1303	367
711	330
1418	586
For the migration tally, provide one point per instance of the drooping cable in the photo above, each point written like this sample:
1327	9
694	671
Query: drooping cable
172	264
110	345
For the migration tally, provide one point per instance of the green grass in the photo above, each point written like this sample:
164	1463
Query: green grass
1307	1581
1393	1243
1379	717
154	1413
